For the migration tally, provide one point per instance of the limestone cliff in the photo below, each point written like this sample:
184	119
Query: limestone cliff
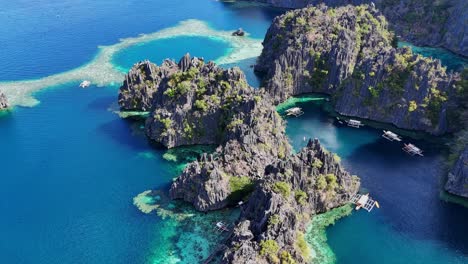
254	138
422	22
272	223
3	101
458	177
200	103
457	182
140	84
347	52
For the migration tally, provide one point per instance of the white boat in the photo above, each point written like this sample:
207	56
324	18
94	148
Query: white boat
295	111
354	123
85	84
412	150
389	135
222	227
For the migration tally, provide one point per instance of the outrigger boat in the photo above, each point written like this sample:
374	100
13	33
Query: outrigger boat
222	227
85	84
295	111
412	150
354	123
364	201
389	135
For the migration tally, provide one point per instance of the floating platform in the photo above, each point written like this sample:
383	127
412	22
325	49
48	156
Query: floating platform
364	201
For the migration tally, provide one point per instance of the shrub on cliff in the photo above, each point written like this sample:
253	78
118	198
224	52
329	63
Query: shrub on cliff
240	187
282	188
269	248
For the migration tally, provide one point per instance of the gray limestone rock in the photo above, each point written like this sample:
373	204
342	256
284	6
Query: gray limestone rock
347	52
457	182
426	23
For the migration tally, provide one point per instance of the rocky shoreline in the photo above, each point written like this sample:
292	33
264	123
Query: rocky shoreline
425	23
195	102
348	52
457	182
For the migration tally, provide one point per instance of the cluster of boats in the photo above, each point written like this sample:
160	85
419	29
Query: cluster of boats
387	134
408	148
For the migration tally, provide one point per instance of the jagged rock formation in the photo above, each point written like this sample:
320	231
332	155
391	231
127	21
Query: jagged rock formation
272	223
254	138
422	22
140	84
347	52
3	101
202	103
458	177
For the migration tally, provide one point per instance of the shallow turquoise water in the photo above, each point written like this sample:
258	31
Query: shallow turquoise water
172	48
70	166
447	58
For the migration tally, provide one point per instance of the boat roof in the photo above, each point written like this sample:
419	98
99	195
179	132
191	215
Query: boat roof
391	134
413	147
294	109
354	121
363	199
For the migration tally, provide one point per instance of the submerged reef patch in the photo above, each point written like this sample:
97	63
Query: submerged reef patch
316	235
101	71
195	237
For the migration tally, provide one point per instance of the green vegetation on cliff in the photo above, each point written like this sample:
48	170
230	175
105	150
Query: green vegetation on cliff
241	187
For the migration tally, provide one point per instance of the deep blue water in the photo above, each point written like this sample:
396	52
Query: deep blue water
70	166
413	224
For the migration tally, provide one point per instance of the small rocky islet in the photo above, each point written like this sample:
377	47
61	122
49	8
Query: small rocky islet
3	101
346	52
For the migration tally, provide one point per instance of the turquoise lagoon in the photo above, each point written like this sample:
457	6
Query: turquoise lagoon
70	166
125	59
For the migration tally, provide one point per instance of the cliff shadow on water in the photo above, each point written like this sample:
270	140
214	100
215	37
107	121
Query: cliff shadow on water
406	187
